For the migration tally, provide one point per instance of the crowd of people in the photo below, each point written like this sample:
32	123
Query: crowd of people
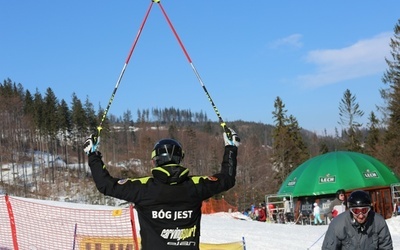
353	224
271	212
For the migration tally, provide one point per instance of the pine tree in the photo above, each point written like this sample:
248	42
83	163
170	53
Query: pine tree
391	96
349	111
289	150
90	115
80	128
51	126
65	126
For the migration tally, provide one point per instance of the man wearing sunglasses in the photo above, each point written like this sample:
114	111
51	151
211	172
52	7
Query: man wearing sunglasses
359	227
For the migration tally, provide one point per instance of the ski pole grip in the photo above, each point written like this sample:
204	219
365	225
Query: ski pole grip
227	130
98	131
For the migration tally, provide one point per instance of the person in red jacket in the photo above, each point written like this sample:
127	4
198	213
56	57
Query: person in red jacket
169	202
262	214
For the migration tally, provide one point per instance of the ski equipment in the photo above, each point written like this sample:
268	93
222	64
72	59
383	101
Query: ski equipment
167	151
221	121
123	69
359	198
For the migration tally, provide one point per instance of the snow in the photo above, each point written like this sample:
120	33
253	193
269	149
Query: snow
226	227
223	227
232	227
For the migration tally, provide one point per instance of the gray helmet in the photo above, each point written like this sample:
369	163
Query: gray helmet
359	198
167	151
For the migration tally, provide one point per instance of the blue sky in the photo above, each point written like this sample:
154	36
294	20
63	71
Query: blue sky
247	53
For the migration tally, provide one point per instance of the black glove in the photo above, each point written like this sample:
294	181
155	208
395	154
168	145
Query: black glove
91	144
235	139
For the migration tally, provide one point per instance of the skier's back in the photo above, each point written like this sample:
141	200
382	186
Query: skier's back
168	202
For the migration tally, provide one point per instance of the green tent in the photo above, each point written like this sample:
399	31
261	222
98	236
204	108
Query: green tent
327	173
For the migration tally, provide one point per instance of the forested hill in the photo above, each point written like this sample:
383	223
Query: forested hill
42	123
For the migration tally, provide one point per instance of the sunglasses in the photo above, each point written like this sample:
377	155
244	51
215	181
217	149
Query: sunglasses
359	210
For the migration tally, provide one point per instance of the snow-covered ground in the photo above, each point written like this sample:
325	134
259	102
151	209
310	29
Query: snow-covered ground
226	227
222	227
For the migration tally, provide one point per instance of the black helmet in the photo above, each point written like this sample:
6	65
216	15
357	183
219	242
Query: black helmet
359	198
339	192
167	151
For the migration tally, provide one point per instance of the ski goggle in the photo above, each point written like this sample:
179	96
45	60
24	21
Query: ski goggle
359	210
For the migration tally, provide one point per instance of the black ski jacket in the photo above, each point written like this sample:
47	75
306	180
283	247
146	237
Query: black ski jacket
169	202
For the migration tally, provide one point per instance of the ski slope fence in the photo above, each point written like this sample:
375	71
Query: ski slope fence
211	206
27	224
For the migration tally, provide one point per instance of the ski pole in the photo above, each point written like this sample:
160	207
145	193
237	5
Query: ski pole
221	121
73	245
123	69
316	241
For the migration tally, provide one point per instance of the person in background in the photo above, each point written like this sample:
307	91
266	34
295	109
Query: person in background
271	211
247	212
338	205
253	208
253	212
358	228
398	208
286	210
306	211
262	214
169	202
317	214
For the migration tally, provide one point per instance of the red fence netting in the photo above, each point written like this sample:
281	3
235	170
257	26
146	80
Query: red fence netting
38	224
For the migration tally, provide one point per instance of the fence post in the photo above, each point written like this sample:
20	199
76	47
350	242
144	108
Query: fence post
75	229
135	240
12	222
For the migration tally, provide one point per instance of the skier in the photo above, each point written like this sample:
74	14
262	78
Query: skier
359	227
169	202
338	205
287	210
317	214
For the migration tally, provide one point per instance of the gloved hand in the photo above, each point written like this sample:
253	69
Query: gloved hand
235	139
91	144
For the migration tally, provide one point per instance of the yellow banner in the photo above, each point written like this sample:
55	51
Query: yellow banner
126	243
106	243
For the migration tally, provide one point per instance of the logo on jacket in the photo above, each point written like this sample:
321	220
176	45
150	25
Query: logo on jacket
171	215
178	234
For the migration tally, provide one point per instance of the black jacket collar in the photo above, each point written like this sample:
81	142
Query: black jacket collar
170	174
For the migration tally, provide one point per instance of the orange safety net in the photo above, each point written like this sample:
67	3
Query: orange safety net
215	206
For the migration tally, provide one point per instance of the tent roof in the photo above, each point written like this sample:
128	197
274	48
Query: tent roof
327	173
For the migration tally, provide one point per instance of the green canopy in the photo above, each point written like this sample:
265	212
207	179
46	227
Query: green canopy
327	173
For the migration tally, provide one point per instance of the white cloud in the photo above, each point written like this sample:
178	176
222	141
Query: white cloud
365	57
292	41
